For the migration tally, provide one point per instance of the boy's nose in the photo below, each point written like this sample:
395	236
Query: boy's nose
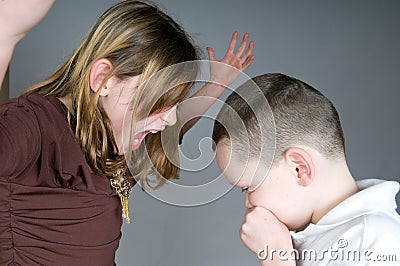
247	203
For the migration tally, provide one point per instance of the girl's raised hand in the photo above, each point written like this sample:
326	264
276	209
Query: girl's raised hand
233	62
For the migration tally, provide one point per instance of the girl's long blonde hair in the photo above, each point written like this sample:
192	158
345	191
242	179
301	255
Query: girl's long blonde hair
138	38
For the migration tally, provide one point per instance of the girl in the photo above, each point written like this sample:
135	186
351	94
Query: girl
65	174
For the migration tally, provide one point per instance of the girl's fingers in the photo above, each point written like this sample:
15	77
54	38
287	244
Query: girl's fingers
242	45
248	51
248	62
232	43
211	54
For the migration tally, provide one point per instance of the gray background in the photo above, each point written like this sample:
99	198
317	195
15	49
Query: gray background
347	49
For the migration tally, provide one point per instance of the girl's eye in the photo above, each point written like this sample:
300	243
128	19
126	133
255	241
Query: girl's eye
244	190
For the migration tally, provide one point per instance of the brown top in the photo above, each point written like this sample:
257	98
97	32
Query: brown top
53	210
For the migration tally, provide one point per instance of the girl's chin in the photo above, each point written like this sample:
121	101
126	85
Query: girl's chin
139	139
136	142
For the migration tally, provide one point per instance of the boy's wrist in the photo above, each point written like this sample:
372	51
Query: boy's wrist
278	263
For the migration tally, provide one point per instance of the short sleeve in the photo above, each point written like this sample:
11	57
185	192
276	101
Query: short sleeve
19	138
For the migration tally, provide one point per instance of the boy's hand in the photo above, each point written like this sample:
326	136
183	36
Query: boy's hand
261	229
236	62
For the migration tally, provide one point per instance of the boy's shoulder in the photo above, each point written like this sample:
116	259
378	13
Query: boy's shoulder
366	224
365	240
373	237
381	230
369	215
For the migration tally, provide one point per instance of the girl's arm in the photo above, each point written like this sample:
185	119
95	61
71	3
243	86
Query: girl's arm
222	73
17	17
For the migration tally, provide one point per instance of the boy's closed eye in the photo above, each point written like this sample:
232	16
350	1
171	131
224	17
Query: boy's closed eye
245	189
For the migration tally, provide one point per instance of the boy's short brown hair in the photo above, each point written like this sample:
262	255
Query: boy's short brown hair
301	116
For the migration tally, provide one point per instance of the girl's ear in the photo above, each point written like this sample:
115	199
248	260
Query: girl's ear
99	71
301	164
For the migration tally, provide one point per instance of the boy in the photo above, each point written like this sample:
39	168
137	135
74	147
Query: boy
303	205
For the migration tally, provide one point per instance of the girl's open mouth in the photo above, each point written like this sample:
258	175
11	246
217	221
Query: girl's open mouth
140	137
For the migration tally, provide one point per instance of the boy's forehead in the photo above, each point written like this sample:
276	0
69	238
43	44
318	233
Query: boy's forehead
223	154
223	148
248	174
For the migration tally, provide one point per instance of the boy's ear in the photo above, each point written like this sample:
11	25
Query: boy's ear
99	71
301	164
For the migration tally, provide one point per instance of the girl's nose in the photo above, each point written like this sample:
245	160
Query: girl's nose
169	117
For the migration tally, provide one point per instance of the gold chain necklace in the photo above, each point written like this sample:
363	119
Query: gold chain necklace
123	188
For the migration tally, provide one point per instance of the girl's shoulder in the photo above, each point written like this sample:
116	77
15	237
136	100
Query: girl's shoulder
34	106
33	116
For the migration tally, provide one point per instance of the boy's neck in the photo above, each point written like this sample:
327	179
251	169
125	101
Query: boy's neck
335	184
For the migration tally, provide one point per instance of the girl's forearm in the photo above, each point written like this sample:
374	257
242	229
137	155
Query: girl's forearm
5	57
199	103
